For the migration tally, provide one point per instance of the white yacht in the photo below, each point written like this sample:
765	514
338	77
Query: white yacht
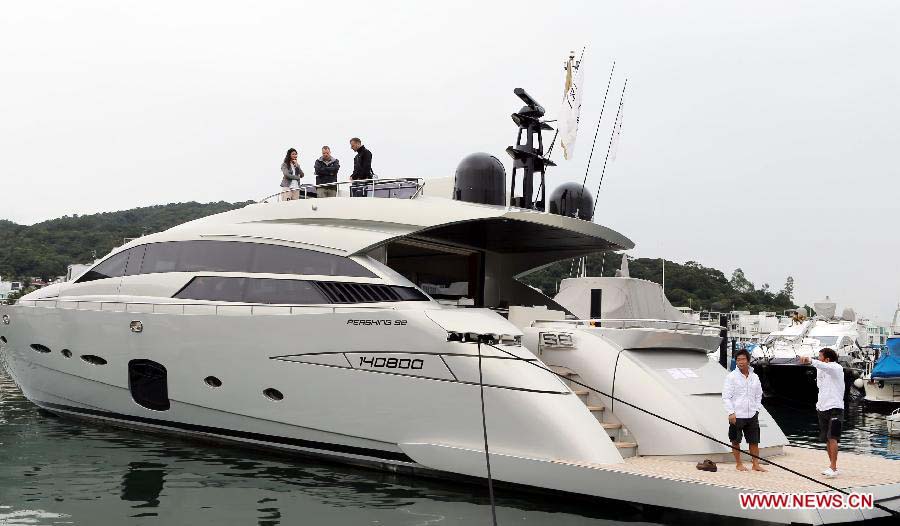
303	326
776	360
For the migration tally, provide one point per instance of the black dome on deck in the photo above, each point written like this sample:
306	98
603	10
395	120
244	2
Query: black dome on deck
480	178
570	199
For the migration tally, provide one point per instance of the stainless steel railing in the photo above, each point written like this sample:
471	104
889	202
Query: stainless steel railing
639	323
401	188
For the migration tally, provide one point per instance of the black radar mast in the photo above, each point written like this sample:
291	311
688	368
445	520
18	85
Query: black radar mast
527	155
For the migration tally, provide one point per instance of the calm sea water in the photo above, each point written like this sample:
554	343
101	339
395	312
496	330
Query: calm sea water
56	471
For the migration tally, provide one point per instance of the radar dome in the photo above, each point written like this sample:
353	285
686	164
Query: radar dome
571	199
825	308
480	178
848	314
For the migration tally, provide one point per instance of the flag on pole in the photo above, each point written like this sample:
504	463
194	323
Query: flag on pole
571	107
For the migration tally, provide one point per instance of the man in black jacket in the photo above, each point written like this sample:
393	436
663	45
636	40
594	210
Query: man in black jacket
326	173
362	165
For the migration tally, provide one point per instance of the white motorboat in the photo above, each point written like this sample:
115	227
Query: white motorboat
881	381
777	360
302	326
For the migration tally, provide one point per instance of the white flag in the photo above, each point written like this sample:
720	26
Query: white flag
570	112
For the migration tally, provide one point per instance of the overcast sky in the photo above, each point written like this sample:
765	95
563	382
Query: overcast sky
761	135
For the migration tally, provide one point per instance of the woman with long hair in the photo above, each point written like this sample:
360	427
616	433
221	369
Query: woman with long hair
291	171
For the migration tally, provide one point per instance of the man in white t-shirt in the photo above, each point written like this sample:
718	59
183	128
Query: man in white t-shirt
830	404
742	397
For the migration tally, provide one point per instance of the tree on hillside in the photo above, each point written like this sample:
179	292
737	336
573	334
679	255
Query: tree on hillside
739	281
788	290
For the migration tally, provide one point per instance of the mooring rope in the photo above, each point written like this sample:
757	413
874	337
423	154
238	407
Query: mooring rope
487	455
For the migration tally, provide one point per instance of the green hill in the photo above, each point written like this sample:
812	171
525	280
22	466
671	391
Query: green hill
45	249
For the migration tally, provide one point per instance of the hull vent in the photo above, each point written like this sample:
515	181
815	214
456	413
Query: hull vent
93	360
338	292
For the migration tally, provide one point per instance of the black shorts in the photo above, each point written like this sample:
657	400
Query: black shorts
746	427
830	423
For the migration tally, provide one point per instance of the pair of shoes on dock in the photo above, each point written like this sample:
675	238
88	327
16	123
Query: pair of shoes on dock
830	473
707	465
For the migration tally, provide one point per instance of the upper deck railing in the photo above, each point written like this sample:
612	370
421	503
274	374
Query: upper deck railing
401	188
701	329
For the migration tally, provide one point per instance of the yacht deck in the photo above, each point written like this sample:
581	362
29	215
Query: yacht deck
856	471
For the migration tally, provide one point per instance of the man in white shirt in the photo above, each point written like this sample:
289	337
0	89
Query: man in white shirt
742	396
830	404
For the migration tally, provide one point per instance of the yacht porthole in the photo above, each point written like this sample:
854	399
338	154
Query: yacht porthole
67	353
6	319
93	360
273	394
40	348
2	339
212	381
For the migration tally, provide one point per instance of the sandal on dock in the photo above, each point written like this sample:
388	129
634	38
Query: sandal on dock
707	465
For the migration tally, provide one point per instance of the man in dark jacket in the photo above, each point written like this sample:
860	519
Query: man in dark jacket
326	173
362	164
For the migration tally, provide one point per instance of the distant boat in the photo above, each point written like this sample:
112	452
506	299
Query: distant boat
882	380
777	359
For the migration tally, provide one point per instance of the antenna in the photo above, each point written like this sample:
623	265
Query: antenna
597	130
609	146
528	154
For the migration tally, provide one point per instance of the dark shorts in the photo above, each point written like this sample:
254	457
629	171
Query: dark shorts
746	427
830	423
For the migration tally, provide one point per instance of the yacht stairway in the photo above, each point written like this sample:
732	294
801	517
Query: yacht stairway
619	434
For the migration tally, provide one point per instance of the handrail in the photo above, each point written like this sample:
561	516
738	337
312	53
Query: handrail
264	308
378	184
636	323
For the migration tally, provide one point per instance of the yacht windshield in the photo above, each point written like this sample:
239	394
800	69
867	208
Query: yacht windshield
826	341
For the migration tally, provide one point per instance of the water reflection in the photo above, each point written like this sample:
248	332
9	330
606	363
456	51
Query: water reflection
56	471
143	482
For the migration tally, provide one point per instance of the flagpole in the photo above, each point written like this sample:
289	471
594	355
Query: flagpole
575	69
577	65
609	146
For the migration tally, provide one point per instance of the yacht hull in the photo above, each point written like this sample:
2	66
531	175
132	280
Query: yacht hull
794	383
541	435
351	383
885	391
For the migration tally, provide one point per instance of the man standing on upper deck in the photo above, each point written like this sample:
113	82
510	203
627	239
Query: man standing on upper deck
326	168
742	396
362	163
830	404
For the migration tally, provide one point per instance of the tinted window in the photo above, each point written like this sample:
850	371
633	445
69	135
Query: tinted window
135	257
292	291
214	289
235	256
215	256
289	291
251	290
161	257
112	267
